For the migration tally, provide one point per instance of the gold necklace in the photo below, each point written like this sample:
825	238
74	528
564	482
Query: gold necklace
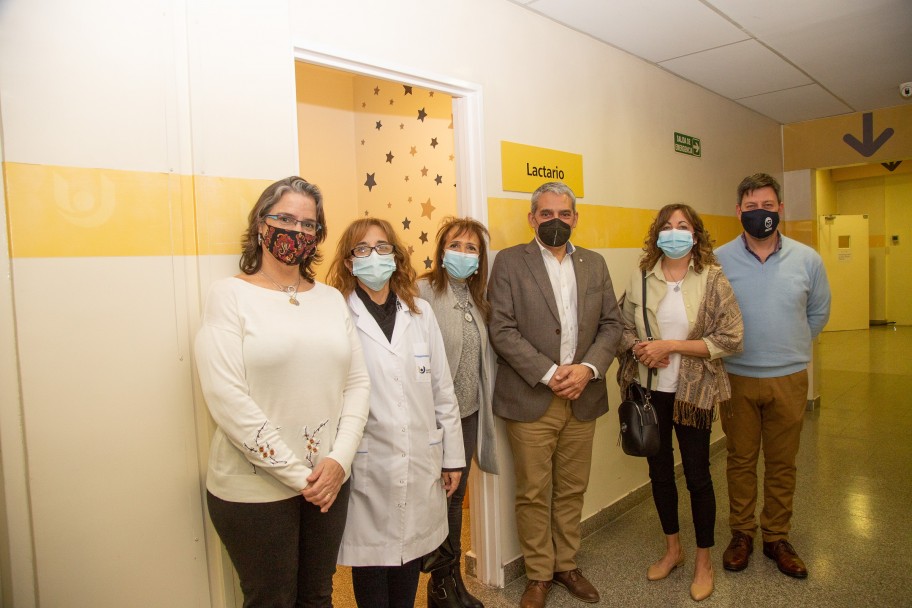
291	290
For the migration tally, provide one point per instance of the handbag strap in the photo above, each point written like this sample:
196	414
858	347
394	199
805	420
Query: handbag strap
648	333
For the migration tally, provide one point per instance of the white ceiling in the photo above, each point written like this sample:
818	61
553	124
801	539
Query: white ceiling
791	60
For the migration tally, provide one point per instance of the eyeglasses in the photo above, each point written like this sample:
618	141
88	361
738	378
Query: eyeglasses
287	221
363	251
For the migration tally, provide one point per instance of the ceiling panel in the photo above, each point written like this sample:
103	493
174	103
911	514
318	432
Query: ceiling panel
656	30
738	70
855	53
797	104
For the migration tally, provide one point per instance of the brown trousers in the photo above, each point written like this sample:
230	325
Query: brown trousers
551	458
767	412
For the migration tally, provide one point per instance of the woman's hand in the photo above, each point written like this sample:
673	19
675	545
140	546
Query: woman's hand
654	353
450	481
323	484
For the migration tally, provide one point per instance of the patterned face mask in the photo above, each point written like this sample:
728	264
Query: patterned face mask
289	246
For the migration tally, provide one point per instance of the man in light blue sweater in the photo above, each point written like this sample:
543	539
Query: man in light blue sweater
784	296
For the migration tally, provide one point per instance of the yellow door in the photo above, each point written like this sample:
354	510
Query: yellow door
844	249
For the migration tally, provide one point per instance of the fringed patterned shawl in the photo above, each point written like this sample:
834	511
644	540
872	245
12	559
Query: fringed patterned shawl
702	383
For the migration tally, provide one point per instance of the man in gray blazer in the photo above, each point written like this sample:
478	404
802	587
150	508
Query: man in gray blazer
555	326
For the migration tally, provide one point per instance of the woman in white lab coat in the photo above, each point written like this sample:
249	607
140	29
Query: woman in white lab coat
411	456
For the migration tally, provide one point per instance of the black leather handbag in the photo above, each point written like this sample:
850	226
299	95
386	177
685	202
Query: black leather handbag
639	434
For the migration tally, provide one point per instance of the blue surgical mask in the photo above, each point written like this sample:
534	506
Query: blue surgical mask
675	243
374	270
460	265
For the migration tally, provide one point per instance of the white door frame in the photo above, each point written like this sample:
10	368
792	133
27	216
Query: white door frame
471	200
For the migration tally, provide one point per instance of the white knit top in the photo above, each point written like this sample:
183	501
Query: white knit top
286	386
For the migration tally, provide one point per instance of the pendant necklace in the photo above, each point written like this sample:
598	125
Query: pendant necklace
677	284
461	304
291	290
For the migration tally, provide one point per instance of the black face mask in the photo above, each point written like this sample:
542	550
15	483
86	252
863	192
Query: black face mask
554	233
760	223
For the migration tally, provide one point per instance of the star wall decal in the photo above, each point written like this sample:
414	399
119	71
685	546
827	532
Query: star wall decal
434	143
406	178
362	142
371	182
427	209
422	114
431	93
438	179
401	125
411	250
406	223
424	237
365	214
376	90
379	124
392	102
452	156
390	157
408	89
363	104
413	151
427	263
410	199
424	171
389	205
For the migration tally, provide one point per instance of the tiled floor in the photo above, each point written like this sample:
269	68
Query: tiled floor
852	523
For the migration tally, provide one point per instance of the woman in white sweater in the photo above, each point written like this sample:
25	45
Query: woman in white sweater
283	374
411	456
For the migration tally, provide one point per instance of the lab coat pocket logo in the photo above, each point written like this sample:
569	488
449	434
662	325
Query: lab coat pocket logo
422	363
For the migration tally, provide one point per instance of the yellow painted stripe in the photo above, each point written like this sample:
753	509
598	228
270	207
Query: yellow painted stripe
77	212
599	227
223	204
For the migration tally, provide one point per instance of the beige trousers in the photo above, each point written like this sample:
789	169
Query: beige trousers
551	458
765	412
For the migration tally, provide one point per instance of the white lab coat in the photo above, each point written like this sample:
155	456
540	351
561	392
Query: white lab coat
397	509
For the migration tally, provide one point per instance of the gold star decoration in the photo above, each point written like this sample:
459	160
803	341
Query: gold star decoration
434	143
427	209
413	151
391	103
376	90
424	171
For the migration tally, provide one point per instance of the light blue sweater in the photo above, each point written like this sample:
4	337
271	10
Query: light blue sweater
785	303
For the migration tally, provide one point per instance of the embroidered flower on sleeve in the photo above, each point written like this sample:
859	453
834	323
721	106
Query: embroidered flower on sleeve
262	449
312	443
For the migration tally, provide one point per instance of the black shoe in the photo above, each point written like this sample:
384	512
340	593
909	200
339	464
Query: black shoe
466	599
441	589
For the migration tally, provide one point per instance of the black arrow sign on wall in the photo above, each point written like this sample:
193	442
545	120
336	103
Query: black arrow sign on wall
892	166
868	146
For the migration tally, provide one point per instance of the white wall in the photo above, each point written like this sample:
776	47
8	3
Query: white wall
103	437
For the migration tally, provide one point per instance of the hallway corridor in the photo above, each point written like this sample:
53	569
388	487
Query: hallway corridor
852	523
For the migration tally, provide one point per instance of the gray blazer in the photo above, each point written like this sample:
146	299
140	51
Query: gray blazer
451	320
525	331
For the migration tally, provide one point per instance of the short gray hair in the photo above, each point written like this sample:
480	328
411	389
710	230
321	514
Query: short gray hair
558	188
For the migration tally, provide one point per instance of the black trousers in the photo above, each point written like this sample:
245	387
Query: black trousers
694	446
285	551
454	509
386	586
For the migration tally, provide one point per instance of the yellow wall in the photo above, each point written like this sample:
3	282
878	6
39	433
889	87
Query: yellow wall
898	219
340	145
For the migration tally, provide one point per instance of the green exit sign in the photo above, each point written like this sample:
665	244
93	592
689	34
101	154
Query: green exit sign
688	144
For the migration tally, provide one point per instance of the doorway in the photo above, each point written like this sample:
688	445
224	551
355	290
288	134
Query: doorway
413	163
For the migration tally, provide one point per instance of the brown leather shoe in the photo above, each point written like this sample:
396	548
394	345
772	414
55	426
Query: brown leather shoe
535	595
786	558
738	553
574	582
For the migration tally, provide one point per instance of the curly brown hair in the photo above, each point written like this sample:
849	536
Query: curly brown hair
702	251
402	283
438	277
252	252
